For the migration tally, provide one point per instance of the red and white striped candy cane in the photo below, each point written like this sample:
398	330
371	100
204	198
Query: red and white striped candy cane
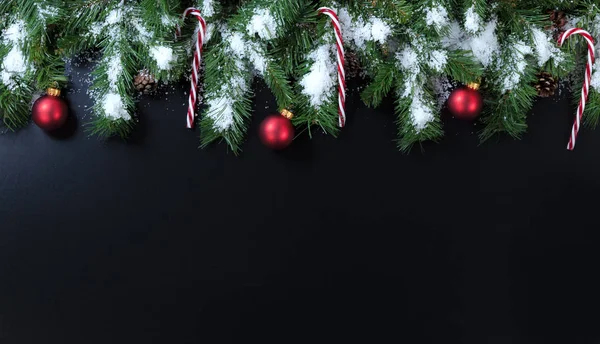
586	81
196	63
341	62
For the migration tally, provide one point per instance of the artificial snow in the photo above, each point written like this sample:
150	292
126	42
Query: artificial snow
221	105
163	56
144	35
420	111
263	24
408	63
484	45
512	69
114	16
113	107
46	11
237	44
15	33
472	20
319	82
595	81
545	48
256	55
13	67
359	32
436	16
208	8
114	70
437	60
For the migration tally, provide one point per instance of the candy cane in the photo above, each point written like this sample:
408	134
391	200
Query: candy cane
340	65
586	81
196	63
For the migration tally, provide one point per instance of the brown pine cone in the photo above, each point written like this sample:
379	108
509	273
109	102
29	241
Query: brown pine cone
559	21
353	66
546	85
145	82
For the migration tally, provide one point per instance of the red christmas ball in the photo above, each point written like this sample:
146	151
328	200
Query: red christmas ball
276	132
465	103
49	112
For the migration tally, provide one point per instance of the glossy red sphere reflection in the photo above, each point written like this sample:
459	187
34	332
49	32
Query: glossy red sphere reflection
49	113
465	103
276	132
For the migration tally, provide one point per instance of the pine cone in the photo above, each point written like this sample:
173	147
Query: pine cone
559	21
546	85
353	66
145	82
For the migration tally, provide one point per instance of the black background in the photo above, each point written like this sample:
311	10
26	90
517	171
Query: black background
155	241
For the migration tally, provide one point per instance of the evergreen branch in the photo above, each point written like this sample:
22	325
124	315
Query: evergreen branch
462	67
276	79
381	85
408	134
508	113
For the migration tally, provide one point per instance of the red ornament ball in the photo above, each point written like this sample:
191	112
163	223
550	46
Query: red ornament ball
465	103
49	112
276	132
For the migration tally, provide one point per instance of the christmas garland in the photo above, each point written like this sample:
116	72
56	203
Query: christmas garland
485	60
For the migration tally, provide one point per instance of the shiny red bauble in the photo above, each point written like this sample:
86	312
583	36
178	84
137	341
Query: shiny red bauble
465	103
49	112
276	132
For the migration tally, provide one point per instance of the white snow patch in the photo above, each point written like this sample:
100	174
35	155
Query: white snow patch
421	113
436	16
15	33
437	60
472	20
264	24
360	32
221	109
14	66
484	45
113	107
595	81
208	8
163	56
514	67
545	48
114	71
408	63
114	16
320	81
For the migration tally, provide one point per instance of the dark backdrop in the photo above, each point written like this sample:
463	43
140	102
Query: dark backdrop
155	241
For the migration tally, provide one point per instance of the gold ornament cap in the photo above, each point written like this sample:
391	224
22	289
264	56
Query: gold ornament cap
474	85
53	92
287	114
